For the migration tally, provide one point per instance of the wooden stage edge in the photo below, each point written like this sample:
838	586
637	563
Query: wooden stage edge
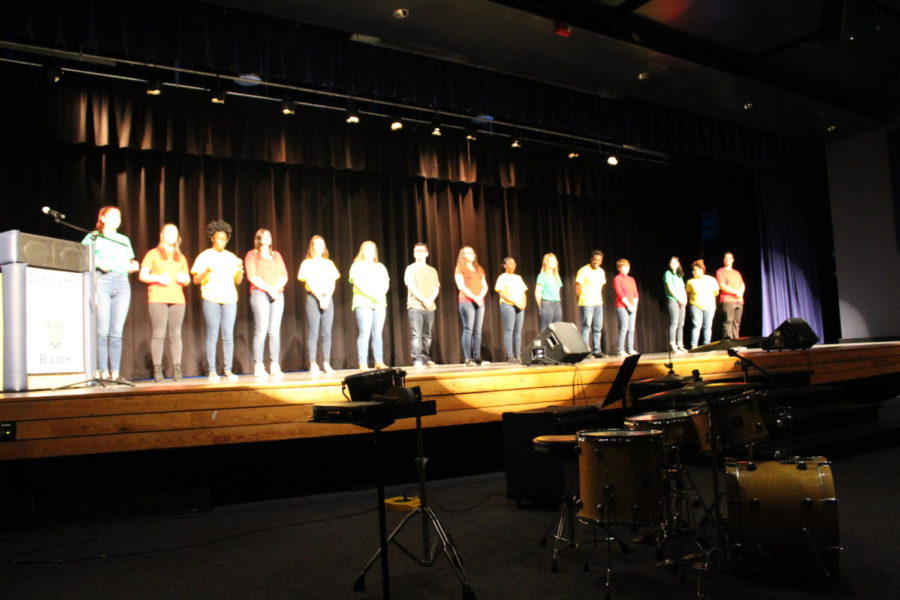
195	413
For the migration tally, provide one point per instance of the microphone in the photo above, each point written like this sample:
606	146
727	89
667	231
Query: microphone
53	213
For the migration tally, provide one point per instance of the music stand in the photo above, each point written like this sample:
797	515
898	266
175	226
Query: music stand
619	387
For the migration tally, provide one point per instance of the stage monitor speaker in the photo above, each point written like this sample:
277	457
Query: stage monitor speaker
792	334
558	343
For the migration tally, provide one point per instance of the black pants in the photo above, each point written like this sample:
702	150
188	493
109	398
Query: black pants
731	325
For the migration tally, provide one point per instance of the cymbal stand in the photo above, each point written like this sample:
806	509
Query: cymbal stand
429	521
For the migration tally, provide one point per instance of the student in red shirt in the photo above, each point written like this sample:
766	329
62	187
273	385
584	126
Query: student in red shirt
626	307
731	297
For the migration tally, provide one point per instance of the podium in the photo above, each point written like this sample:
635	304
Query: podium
48	325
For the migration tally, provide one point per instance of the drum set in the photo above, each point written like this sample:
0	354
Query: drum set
782	512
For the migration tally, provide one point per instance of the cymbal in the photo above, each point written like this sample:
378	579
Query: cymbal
696	390
741	342
669	378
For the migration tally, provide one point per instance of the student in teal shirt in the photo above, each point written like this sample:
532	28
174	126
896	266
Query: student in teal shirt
113	262
546	291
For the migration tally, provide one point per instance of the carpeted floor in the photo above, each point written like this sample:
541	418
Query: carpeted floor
313	547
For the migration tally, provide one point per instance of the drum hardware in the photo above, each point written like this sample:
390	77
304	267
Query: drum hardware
566	447
380	408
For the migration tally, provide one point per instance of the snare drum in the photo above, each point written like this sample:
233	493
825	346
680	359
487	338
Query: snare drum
788	508
737	421
620	476
675	425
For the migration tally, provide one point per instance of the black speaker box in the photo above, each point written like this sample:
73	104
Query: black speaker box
530	475
793	334
558	343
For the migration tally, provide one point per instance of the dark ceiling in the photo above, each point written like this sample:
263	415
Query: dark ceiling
811	69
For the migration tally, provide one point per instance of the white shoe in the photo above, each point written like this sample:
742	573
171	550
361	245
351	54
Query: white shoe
231	376
214	377
326	366
275	371
363	367
430	363
418	364
259	371
314	370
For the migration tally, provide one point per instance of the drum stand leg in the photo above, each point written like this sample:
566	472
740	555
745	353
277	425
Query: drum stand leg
820	564
429	521
566	517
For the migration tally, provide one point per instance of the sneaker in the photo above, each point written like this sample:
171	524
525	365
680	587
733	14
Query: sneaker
119	380
632	352
484	363
470	363
380	365
363	367
418	364
623	354
275	370
314	370
213	377
512	359
259	371
231	376
682	350
327	367
430	363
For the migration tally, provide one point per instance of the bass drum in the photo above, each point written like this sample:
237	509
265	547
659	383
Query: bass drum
789	508
620	476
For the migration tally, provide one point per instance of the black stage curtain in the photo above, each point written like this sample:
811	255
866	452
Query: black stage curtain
177	158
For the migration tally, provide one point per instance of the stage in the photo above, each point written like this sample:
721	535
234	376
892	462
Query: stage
195	413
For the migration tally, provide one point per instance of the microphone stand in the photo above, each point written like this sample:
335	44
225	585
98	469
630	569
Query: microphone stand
97	380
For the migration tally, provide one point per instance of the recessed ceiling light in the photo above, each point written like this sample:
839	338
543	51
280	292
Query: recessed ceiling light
400	13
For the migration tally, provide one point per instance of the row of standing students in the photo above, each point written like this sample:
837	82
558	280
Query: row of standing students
218	271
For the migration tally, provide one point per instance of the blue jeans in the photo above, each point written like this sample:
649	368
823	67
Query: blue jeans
592	326
704	319
551	312
676	322
626	330
420	325
512	329
370	322
267	312
113	300
318	320
472	316
219	317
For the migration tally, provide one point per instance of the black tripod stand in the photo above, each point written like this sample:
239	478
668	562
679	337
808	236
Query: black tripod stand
431	550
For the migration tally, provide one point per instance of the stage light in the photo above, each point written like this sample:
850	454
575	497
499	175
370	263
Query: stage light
515	143
54	74
573	151
154	87
748	105
436	128
396	124
287	107
471	134
400	13
612	161
831	128
643	75
352	115
217	94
